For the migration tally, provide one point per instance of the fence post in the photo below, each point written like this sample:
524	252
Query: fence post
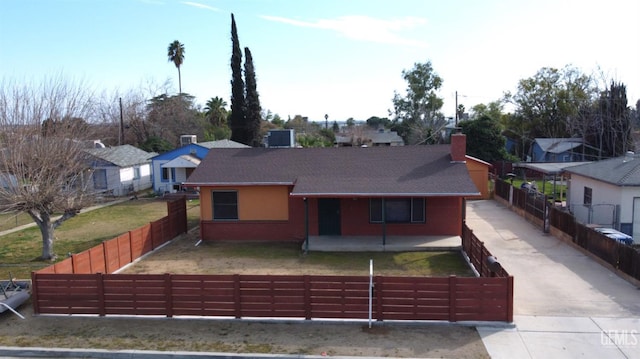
34	293
100	286
509	299
307	297
237	296
105	255
481	259
379	295
452	298
73	263
168	292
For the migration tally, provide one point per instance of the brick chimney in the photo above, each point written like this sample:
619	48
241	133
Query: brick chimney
458	147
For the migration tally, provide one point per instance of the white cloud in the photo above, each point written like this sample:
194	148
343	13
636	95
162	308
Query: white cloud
363	28
200	6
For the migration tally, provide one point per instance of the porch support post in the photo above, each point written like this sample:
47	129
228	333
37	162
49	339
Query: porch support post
306	225
384	225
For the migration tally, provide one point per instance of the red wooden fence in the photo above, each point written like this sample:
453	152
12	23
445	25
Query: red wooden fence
284	296
113	254
478	254
78	285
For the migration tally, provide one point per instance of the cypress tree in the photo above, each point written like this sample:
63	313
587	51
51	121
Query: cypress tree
253	110
237	119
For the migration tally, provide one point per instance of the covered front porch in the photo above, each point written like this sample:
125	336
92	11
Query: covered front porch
377	244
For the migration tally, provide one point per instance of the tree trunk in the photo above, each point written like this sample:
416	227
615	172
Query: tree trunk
46	228
179	81
43	220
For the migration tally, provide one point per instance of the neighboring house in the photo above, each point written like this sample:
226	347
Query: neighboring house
560	150
291	194
172	168
607	193
510	144
120	170
385	138
370	138
479	172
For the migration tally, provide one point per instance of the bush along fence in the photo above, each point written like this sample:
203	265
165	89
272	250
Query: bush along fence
485	298
563	225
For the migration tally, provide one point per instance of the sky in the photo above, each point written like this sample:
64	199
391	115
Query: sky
340	58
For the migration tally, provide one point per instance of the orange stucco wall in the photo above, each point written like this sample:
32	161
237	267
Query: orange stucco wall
479	173
255	203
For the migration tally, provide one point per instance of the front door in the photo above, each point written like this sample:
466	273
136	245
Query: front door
329	216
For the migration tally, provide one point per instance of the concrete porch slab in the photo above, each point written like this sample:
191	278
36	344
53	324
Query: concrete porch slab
375	243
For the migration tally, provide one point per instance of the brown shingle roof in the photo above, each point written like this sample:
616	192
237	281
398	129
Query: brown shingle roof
378	171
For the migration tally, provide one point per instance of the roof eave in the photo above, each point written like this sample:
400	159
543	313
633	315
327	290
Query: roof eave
235	184
367	195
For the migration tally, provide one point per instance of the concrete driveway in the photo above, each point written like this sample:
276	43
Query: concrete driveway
566	304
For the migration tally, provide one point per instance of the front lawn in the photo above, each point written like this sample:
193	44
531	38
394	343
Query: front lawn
182	256
19	250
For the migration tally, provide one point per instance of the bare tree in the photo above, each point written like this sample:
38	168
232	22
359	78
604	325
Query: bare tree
43	169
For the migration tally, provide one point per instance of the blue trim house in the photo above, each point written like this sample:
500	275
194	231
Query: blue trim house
171	169
557	150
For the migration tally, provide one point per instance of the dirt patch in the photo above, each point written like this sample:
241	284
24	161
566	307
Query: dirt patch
330	338
242	336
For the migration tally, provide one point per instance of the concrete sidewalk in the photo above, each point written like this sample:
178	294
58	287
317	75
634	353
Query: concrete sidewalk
566	305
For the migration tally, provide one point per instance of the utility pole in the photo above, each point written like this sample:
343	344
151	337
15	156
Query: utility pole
121	132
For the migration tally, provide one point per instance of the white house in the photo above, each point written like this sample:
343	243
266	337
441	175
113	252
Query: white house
120	170
607	193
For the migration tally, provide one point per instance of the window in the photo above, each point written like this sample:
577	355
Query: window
225	205
168	174
136	173
588	196
100	178
397	210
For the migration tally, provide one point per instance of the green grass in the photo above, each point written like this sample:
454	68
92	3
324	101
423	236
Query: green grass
12	220
548	188
19	251
430	264
421	263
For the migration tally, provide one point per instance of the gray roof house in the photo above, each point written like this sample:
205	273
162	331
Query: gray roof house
120	170
561	150
607	193
294	193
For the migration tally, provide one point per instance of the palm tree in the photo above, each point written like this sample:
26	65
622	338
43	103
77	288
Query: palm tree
176	55
215	111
